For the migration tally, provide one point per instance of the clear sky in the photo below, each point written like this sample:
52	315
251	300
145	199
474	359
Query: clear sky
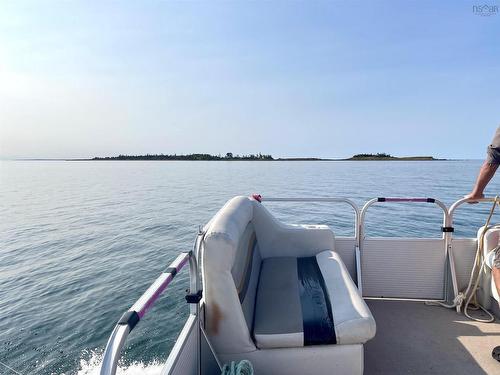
325	79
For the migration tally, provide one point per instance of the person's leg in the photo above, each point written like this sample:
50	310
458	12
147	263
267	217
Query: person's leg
495	272
486	173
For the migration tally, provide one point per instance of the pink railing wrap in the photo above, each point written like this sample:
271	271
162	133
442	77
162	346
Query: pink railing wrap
157	288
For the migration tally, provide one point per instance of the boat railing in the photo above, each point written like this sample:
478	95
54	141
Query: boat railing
367	205
460	202
327	200
360	228
401	200
139	309
357	226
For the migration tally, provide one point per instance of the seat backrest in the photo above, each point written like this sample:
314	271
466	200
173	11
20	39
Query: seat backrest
231	262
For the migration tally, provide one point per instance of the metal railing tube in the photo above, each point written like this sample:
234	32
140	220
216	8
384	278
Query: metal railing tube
446	236
194	282
401	200
331	200
113	349
326	199
451	258
133	315
460	202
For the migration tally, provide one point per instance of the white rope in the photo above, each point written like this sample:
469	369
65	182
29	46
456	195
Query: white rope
475	277
479	263
457	301
243	367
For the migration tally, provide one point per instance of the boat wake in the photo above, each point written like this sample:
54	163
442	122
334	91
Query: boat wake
91	366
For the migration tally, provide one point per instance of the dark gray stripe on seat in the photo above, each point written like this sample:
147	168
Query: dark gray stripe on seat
316	308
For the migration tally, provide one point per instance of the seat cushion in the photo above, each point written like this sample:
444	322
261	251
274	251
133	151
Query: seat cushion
309	301
278	314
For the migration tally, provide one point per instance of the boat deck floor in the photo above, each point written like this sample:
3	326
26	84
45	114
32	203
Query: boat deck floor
413	338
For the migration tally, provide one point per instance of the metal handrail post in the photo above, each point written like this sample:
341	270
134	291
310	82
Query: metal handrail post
446	220
195	287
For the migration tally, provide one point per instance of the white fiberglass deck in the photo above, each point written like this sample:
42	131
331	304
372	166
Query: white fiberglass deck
413	338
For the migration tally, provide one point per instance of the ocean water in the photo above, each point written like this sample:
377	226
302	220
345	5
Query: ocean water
80	241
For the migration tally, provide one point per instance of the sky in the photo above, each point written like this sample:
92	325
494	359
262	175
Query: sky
288	78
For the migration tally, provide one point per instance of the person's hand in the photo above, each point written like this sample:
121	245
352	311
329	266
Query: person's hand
473	196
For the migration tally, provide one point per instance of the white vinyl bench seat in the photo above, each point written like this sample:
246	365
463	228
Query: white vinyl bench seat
277	293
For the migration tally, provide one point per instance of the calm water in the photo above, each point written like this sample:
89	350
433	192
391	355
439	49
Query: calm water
80	241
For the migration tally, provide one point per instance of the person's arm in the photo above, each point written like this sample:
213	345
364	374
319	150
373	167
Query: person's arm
486	173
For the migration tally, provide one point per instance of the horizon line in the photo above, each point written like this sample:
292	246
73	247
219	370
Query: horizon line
293	158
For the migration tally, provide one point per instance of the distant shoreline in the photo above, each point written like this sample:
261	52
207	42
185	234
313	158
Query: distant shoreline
260	157
205	158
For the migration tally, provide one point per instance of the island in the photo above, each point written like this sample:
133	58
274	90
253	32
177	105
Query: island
228	156
384	156
258	157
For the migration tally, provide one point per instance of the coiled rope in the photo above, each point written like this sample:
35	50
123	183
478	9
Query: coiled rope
243	367
469	295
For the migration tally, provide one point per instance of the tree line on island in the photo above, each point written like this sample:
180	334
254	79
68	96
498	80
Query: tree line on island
228	156
384	156
378	155
257	157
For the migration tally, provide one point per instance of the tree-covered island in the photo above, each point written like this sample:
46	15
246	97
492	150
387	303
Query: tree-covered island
384	156
258	157
228	156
